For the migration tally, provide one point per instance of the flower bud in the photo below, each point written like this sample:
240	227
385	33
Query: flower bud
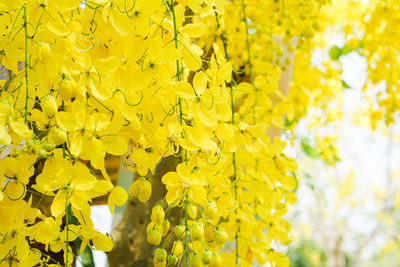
33	146
195	260
179	231
177	248
154	237
49	106
210	211
197	231
280	163
172	259
192	211
206	257
160	254
58	136
309	33
157	214
220	237
159	263
141	189
166	224
153	225
209	235
42	153
216	261
48	147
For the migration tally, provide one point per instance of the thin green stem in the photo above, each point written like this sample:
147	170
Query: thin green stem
26	65
186	230
98	101
249	58
178	73
175	38
247	40
184	159
66	227
234	178
167	239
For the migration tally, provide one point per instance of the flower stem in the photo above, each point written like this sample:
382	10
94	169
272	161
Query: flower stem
26	65
234	178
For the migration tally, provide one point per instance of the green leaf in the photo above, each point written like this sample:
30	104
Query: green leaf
308	149
346	49
287	122
345	85
335	52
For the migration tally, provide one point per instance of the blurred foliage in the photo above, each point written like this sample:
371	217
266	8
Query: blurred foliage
306	254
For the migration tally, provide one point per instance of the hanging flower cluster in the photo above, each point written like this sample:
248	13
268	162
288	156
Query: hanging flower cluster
380	46
146	79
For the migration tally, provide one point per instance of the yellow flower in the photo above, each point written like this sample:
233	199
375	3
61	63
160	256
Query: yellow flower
185	180
72	183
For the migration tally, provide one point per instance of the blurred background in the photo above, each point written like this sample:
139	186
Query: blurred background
347	213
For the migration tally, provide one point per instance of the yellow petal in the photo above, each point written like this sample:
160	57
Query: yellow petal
15	190
117	197
58	205
93	150
102	90
288	182
114	145
82	178
184	90
183	170
179	14
163	75
200	138
58	28
282	260
79	200
200	82
195	30
21	129
101	188
120	21
38	117
76	144
5	138
65	120
68	4
171	178
192	61
225	72
209	117
102	242
108	65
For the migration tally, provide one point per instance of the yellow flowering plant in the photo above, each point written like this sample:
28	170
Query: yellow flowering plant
147	79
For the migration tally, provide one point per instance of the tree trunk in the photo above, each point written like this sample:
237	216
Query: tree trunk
130	239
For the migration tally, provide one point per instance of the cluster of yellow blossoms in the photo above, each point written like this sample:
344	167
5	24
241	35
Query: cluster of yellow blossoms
381	42
147	79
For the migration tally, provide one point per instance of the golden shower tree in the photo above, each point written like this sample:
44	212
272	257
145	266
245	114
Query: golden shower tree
192	87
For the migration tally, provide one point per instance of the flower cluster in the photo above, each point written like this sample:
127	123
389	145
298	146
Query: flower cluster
147	79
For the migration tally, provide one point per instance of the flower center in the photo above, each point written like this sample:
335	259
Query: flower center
185	184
